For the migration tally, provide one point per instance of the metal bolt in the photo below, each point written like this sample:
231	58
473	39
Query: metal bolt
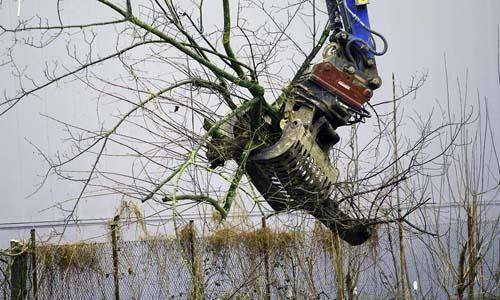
375	82
350	69
328	66
370	62
367	93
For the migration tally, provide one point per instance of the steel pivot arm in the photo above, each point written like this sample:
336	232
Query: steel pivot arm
349	72
351	16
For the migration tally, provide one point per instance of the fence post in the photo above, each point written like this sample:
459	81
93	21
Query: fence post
194	263
19	270
114	242
266	259
34	275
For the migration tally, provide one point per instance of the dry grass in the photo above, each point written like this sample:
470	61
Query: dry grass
129	213
72	257
223	238
255	241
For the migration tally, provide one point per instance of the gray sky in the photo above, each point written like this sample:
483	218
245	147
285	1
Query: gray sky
420	34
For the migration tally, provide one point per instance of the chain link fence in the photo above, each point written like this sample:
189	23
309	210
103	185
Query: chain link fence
229	264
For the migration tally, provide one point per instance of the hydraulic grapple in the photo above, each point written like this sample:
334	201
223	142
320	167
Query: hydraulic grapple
295	172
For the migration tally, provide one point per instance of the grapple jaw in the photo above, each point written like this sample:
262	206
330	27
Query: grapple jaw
295	173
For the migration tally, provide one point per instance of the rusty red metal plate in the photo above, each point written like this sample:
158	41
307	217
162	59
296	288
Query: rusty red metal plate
341	84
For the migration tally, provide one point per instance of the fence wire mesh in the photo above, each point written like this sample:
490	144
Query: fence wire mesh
232	264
